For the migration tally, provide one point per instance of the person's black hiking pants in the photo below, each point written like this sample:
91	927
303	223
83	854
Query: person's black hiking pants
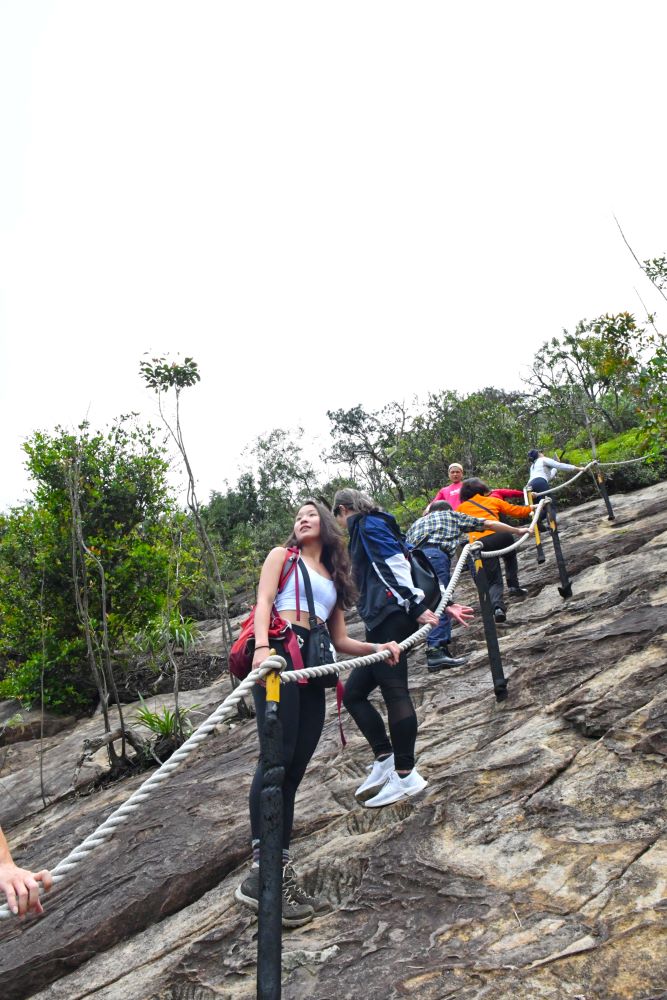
393	684
301	713
540	485
491	543
511	562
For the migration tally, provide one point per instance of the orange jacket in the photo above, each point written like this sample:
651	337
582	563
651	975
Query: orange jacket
493	506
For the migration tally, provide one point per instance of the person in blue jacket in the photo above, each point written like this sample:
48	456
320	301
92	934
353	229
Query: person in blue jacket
391	607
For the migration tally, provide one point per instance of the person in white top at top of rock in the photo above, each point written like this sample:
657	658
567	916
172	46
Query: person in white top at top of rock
542	471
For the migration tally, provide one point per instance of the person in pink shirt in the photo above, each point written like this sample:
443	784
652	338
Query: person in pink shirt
452	492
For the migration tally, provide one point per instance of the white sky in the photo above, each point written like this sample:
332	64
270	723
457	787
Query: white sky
323	203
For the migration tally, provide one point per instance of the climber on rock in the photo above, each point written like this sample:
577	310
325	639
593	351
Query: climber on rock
438	534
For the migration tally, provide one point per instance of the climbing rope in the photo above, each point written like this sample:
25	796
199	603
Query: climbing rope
627	461
556	489
224	711
537	513
591	465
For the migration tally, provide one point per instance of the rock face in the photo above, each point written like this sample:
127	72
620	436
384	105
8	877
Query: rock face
534	866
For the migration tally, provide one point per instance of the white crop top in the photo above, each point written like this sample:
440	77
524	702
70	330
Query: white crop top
324	595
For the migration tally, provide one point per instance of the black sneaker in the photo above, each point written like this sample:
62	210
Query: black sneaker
317	903
438	658
518	591
295	914
499	615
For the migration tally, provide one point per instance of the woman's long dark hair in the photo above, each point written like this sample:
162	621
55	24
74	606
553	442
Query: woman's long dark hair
334	554
471	487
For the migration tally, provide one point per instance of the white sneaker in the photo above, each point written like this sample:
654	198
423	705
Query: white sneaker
379	772
413	783
396	788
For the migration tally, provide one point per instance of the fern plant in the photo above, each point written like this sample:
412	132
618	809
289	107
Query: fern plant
164	722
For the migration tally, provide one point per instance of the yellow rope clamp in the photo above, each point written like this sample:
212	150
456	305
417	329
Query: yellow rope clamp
273	683
538	540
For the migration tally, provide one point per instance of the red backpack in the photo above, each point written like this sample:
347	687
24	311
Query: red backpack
242	651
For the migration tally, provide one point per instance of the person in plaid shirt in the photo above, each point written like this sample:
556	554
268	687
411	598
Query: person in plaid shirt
438	534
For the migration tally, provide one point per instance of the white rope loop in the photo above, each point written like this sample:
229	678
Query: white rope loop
555	489
522	540
591	465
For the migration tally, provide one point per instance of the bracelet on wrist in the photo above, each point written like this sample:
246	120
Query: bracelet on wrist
263	646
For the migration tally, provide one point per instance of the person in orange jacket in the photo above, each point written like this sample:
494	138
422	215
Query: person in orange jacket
475	499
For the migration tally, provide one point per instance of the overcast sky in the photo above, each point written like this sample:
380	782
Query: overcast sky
322	203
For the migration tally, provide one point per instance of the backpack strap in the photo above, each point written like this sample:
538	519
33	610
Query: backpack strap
292	556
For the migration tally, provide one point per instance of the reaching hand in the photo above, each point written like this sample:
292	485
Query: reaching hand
22	890
461	613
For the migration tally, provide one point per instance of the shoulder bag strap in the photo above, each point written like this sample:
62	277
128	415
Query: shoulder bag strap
312	617
486	510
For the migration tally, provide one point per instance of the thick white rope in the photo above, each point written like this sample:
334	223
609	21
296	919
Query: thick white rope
522	540
591	465
225	710
555	489
628	461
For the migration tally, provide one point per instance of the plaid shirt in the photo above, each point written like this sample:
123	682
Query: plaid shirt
442	529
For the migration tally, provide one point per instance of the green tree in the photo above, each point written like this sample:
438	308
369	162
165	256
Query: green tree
589	376
119	522
366	442
163	377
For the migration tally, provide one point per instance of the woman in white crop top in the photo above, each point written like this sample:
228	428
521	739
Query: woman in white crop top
302	706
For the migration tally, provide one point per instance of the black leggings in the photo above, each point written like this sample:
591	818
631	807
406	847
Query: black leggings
301	712
540	485
490	543
393	684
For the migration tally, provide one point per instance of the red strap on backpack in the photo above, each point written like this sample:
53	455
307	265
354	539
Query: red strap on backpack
240	656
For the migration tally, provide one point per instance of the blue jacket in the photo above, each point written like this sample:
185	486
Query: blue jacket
381	569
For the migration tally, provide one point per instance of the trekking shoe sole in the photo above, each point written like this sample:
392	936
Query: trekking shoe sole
297	921
368	793
253	904
240	897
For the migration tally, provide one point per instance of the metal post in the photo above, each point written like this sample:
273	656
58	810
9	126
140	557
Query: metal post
269	938
565	590
538	539
599	480
490	634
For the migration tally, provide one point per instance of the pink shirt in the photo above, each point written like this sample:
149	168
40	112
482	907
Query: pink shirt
451	494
